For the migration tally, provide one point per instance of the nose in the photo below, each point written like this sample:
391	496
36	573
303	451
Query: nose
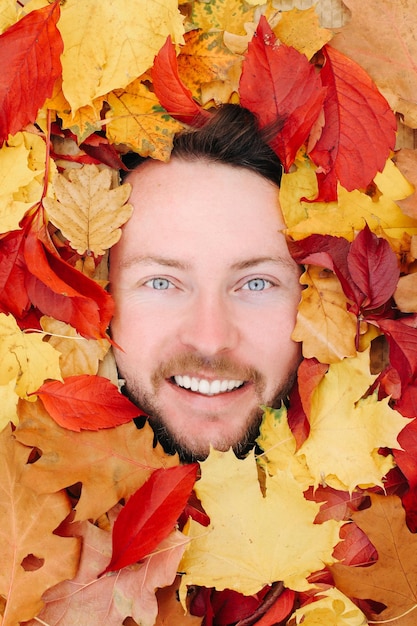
209	326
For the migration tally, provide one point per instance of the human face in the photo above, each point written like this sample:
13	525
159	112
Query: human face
206	294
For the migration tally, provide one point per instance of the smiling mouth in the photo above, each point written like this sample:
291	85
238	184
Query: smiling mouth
207	387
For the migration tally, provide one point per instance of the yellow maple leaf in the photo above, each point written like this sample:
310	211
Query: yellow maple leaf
323	324
252	540
353	208
22	164
333	609
137	119
279	448
79	355
346	430
25	357
87	211
301	30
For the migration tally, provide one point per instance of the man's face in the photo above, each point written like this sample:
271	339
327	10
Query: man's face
206	296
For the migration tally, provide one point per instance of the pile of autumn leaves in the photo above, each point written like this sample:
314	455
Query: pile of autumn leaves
88	505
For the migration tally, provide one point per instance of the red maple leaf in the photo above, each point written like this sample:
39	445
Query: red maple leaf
359	129
86	402
30	51
283	89
171	92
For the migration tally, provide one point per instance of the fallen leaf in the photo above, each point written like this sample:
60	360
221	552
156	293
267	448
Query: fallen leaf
222	15
32	47
150	514
25	358
94	62
333	609
406	161
88	211
392	580
301	30
347	430
111	464
357	110
86	402
78	355
282	88
33	557
252	540
170	609
137	119
380	36
324	325
80	600
8	14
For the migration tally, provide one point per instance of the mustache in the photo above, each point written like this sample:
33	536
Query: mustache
184	364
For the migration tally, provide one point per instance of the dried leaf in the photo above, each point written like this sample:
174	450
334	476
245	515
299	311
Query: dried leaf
137	119
80	601
252	540
111	464
25	358
347	430
301	30
78	355
87	211
380	36
324	325
392	579
33	557
32	48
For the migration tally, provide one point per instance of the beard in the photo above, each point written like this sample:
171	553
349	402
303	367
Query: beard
174	443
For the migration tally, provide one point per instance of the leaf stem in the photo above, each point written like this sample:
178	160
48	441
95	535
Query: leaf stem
270	598
393	619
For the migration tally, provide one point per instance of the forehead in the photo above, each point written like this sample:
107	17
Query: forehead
197	207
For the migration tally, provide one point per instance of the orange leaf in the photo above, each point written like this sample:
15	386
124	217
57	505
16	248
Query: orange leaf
33	557
30	51
86	402
392	580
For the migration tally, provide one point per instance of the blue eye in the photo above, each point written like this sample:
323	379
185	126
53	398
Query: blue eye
159	283
257	284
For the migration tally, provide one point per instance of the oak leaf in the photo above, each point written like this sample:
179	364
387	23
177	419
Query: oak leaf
301	30
380	36
392	580
25	357
33	557
88	599
32	47
347	430
137	119
252	540
324	325
78	355
87	211
111	463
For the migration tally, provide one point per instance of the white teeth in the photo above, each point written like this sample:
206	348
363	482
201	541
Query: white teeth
206	387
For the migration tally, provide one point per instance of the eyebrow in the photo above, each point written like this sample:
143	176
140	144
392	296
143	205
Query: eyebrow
239	265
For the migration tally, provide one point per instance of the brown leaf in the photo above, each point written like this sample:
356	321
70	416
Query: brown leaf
392	580
111	464
381	37
109	599
33	558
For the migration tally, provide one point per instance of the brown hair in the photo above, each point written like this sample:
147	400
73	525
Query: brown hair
231	136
